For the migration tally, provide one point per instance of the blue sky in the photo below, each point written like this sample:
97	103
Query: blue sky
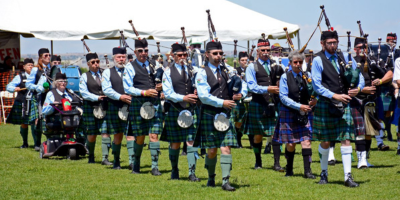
377	18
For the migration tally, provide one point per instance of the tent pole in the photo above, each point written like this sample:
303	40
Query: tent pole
248	47
204	44
51	46
298	39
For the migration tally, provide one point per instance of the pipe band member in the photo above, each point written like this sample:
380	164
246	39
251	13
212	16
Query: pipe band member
332	116
24	111
94	98
112	87
139	81
55	60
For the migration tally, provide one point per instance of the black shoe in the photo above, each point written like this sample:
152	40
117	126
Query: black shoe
383	147
324	178
117	167
350	182
106	162
228	187
257	166
116	163
267	149
398	152
24	146
309	175
332	162
37	148
155	172
130	167
175	174
211	183
289	173
278	168
193	178
183	153
91	159
135	172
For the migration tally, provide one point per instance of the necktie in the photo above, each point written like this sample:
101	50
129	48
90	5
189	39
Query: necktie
219	75
64	96
266	67
98	79
144	67
332	59
298	77
184	74
121	71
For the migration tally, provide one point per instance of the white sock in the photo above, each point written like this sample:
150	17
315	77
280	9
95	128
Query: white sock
324	157
331	154
346	159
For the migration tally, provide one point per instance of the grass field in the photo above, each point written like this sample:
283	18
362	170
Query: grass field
24	176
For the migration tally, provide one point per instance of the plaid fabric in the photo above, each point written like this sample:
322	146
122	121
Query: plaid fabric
92	125
173	132
208	137
15	116
140	126
386	98
359	126
238	113
257	124
114	124
329	128
287	130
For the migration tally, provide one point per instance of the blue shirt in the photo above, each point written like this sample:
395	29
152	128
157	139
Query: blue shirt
317	69
203	88
252	81
129	74
83	88
106	83
30	80
47	108
284	91
15	83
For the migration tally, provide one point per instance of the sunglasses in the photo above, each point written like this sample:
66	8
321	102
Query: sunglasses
216	53
332	43
63	81
95	61
297	62
263	50
180	55
46	55
141	50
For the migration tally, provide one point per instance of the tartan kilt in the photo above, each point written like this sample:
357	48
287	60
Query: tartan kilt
287	130
328	128
238	112
208	137
358	119
387	101
114	124
173	132
15	116
140	126
257	124
92	125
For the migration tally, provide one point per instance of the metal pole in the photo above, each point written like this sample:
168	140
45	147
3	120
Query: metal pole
248	47
51	43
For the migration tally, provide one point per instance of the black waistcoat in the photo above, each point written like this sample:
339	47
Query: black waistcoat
21	95
58	97
143	80
92	85
330	78
263	79
297	95
218	88
117	85
181	87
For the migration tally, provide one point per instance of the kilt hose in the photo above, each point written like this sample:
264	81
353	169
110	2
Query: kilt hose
257	123
15	116
92	125
208	137
173	133
329	128
140	126
114	123
288	130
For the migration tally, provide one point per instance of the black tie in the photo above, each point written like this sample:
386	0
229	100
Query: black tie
64	96
219	75
98	79
144	67
184	74
299	81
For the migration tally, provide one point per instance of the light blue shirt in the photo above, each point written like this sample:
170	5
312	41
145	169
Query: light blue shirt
128	78
167	86
83	88
30	80
47	108
15	83
316	72
106	83
252	81
284	91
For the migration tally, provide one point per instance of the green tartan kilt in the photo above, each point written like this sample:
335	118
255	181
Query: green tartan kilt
257	124
328	128
139	126
114	123
238	112
92	125
208	137
387	100
15	116
173	133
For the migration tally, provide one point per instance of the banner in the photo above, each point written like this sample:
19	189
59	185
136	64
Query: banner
10	46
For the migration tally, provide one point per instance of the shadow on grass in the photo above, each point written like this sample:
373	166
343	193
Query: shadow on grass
390	149
342	182
383	166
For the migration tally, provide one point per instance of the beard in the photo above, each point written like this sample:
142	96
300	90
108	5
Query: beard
119	65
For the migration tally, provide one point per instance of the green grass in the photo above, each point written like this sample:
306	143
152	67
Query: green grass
24	176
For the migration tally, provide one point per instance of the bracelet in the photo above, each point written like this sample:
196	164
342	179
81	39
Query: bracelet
380	81
144	93
359	89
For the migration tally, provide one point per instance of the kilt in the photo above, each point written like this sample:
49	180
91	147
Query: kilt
173	132
257	124
287	130
208	137
15	116
328	128
358	119
93	126
114	124
386	98
140	126
238	112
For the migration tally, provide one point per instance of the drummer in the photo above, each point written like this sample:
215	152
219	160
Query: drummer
178	91
17	114
92	93
145	108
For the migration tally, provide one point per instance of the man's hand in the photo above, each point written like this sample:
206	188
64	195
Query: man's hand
195	91
344	98
237	96
238	124
313	102
102	97
151	93
273	89
190	98
305	108
162	96
229	104
369	90
159	87
353	92
17	89
376	82
126	98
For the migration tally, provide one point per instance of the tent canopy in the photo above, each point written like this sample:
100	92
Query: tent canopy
154	19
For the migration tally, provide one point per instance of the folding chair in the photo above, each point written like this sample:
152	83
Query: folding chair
6	95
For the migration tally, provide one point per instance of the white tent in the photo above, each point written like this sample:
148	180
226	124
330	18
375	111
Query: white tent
154	19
